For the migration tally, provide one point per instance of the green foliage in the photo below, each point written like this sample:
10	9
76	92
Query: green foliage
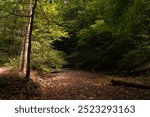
48	22
10	32
44	58
135	59
48	27
14	63
127	16
3	58
110	34
96	34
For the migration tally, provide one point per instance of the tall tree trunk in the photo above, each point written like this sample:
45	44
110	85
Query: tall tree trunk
25	43
23	48
29	33
24	40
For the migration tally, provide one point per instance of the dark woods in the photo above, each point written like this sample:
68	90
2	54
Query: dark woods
103	35
107	35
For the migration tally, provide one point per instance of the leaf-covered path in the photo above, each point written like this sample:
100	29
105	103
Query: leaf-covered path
67	84
76	84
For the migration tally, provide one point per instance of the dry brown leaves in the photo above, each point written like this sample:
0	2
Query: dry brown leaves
67	84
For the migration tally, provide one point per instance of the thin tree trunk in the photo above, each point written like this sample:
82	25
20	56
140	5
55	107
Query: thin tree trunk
25	54
24	42
30	28
23	48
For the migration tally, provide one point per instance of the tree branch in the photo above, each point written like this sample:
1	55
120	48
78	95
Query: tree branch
11	13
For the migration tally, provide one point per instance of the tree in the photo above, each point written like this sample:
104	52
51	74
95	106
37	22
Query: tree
29	35
48	30
10	29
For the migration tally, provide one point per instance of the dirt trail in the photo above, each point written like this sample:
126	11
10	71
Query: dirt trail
3	69
67	84
76	84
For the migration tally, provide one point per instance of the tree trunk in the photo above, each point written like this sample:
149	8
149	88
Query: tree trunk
23	49
29	35
24	41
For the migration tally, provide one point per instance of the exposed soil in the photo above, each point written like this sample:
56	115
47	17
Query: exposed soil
66	84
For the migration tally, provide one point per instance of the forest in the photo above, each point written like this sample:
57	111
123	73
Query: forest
74	49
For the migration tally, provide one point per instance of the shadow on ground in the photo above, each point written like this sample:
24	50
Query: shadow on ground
15	87
68	84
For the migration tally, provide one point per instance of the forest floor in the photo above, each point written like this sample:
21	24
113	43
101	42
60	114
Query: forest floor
68	84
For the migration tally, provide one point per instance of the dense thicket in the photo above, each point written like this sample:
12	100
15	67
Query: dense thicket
107	34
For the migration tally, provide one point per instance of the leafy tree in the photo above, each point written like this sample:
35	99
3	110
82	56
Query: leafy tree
47	26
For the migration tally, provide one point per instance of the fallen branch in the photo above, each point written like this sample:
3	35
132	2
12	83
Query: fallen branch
129	84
